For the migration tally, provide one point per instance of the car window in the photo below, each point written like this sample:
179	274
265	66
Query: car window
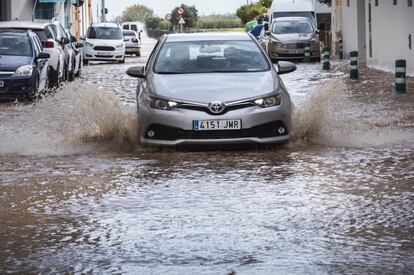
63	32
134	27
48	32
291	26
210	56
54	31
104	33
15	45
125	27
41	34
37	45
129	33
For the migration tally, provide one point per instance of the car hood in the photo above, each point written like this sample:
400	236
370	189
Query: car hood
208	87
12	62
293	37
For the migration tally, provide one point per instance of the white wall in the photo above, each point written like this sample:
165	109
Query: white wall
349	27
22	9
391	26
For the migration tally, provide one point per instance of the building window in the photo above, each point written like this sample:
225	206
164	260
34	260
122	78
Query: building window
347	3
394	2
45	10
376	3
410	3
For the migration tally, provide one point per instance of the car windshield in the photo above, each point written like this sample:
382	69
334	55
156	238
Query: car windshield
15	45
104	33
291	26
307	14
210	56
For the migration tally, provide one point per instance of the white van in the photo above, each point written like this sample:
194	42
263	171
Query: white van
293	8
133	26
104	42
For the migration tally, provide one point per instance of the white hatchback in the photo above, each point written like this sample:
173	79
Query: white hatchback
104	42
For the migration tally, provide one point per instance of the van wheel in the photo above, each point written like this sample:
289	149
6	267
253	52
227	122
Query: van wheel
85	62
122	61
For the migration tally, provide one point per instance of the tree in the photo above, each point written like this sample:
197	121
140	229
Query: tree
136	13
190	16
153	23
265	3
219	21
249	12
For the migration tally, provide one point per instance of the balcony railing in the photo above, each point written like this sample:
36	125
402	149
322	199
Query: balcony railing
44	13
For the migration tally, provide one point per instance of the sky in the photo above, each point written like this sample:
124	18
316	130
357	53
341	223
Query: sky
162	7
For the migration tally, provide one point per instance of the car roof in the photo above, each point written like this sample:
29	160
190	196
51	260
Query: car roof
106	24
205	36
17	24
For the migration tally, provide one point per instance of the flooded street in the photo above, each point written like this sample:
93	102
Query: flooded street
78	195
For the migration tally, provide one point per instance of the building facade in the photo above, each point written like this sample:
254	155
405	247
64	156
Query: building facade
382	31
77	19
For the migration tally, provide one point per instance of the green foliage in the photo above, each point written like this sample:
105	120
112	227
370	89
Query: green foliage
265	3
153	23
247	13
219	21
190	16
136	13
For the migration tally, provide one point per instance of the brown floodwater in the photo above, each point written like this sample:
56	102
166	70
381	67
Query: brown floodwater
79	195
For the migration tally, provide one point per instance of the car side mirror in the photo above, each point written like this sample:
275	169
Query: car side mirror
82	37
43	55
285	67
78	45
136	71
64	41
73	39
268	33
317	31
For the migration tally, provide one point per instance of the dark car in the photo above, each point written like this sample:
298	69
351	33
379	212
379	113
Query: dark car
23	65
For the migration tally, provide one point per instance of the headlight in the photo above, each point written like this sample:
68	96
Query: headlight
161	104
119	45
25	70
270	101
87	44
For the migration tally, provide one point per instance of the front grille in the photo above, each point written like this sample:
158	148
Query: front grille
104	56
267	130
207	110
294	46
103	48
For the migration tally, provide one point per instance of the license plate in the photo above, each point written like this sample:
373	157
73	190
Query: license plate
295	51
1	84
104	53
211	125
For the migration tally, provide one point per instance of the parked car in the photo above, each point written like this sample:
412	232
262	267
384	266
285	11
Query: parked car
132	42
63	40
179	104
74	56
288	37
23	65
104	42
49	42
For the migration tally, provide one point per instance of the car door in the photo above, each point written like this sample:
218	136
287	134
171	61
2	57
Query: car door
41	64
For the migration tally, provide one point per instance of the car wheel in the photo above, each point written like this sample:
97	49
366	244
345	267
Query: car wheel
78	73
122	61
71	76
85	62
32	95
53	77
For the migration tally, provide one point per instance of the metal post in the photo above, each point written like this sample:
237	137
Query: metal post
326	63
307	57
103	11
400	76
353	74
341	49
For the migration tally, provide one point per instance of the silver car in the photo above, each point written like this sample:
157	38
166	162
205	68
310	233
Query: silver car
132	42
288	37
211	88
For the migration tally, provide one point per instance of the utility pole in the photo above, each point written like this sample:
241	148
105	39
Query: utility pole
103	19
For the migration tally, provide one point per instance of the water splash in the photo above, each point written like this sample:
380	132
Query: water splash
73	120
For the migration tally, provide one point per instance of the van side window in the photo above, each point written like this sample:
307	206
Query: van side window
134	27
125	27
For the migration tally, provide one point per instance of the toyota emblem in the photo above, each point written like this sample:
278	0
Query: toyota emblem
216	107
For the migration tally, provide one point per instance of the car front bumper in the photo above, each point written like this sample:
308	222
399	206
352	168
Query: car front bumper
91	54
15	87
175	127
279	51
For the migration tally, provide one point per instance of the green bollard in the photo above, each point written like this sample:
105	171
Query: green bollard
341	49
400	80
307	57
326	64
354	65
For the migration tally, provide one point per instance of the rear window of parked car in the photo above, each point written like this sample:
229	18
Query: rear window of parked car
129	33
15	45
